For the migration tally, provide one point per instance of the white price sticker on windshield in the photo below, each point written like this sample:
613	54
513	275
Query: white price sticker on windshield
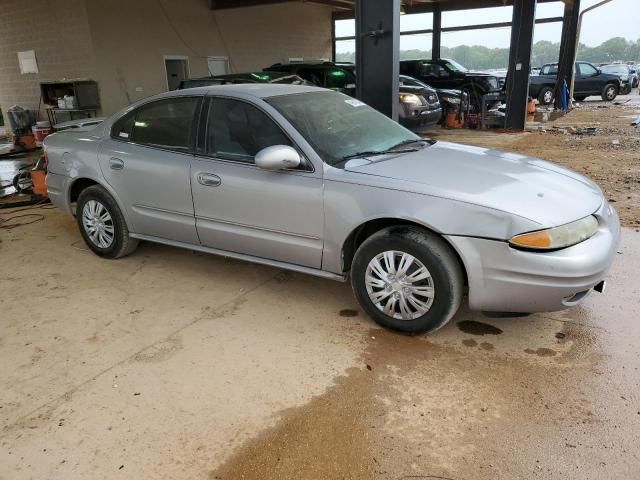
354	102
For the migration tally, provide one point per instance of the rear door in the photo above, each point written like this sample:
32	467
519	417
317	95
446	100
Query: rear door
242	208
146	160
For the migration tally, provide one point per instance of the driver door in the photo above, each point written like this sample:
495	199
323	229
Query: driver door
586	79
242	208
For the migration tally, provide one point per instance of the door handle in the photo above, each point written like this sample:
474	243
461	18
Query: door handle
116	163
209	179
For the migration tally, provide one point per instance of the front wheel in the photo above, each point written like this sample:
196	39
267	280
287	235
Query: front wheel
407	279
545	97
609	92
102	224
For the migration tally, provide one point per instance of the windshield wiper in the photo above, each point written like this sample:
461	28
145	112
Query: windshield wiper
393	149
405	142
367	153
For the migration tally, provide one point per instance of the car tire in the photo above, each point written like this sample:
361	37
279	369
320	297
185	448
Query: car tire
579	98
102	224
545	97
425	296
609	92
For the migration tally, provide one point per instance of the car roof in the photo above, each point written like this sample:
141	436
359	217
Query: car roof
257	90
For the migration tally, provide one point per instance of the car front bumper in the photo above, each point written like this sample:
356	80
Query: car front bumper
420	116
504	279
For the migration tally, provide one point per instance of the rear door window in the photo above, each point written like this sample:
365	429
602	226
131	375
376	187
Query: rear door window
167	123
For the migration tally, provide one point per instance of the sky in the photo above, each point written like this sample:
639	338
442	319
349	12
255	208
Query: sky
619	18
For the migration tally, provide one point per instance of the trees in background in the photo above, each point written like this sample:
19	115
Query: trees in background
481	58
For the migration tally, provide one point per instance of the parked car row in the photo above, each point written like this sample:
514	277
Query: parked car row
421	106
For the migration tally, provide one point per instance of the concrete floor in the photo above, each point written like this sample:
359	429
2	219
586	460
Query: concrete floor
172	364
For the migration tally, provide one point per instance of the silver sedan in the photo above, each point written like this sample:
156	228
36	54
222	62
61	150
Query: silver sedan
317	182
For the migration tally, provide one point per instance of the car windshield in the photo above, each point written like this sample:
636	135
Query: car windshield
615	69
339	127
455	66
411	82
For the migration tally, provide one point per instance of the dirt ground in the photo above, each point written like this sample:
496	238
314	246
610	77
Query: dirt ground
173	364
610	156
170	364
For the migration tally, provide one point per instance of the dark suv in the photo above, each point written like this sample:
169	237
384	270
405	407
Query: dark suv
445	73
419	108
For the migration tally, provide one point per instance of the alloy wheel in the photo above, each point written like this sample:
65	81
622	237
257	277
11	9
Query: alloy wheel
399	285
98	224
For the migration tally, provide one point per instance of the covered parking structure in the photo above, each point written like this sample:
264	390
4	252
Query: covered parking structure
378	33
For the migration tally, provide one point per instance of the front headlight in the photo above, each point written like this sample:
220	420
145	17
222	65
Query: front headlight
410	98
455	101
557	237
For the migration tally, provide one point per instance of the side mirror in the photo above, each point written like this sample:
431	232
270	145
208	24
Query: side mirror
277	157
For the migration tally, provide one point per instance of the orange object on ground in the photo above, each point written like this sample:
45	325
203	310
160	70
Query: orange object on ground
25	142
451	120
39	183
531	107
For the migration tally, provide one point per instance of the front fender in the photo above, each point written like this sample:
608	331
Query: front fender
349	205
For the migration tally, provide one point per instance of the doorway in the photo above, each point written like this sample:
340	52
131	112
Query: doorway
177	69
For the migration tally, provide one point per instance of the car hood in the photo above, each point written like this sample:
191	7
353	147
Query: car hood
531	188
449	92
416	89
480	74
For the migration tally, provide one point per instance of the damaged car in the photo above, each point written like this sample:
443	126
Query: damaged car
317	182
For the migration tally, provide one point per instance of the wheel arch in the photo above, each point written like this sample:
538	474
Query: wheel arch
78	185
363	231
81	183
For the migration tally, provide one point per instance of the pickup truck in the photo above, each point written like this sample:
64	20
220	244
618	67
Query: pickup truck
448	74
590	80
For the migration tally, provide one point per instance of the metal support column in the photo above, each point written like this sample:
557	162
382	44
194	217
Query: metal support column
436	39
378	54
568	46
517	89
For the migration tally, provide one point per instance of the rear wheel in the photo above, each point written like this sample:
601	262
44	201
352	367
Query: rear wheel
545	97
609	92
579	98
407	279
102	224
